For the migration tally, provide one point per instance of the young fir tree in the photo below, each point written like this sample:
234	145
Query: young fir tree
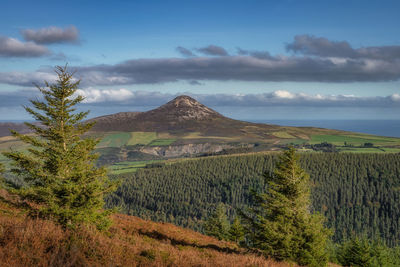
236	231
280	223
217	224
59	169
361	252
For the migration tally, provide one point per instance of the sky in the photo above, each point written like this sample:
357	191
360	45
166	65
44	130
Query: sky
250	60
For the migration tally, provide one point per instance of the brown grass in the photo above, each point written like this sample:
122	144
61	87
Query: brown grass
131	241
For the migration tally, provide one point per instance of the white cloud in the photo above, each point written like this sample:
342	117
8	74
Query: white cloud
93	95
283	94
395	97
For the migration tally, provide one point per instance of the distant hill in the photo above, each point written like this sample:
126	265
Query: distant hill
181	115
5	128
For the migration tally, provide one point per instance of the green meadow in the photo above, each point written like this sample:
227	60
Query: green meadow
114	140
162	142
129	166
354	139
141	138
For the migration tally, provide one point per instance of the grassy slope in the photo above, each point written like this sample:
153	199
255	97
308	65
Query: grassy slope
129	242
129	166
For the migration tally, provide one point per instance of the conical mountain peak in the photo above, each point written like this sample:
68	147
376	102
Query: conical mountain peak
186	108
184	101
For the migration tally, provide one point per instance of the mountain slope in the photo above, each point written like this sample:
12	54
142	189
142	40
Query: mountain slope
129	242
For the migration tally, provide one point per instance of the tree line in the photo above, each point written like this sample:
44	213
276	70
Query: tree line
357	193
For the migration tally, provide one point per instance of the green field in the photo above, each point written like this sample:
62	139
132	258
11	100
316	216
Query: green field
114	140
354	139
360	150
283	134
369	150
391	150
293	141
162	142
129	166
142	138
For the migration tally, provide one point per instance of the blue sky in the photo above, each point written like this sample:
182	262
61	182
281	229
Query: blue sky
246	59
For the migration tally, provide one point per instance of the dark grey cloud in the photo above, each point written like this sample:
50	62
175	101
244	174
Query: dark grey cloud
243	68
213	50
318	46
323	47
10	47
239	68
185	52
52	35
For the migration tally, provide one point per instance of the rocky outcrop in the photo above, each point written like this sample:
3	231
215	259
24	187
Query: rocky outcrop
185	150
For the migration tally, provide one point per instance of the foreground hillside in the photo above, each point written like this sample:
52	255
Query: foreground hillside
129	242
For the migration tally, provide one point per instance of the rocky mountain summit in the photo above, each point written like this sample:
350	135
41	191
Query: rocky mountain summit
183	108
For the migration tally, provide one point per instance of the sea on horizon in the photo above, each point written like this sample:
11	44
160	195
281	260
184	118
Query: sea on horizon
389	128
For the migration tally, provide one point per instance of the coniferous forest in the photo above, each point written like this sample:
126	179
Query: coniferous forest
357	193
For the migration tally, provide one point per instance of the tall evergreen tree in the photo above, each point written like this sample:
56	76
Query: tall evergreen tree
217	224
280	223
59	168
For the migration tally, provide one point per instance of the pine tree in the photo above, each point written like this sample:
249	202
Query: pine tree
236	231
280	223
217	224
362	252
59	168
355	252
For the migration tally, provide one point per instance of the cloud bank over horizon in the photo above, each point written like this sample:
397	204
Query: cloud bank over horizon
125	97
